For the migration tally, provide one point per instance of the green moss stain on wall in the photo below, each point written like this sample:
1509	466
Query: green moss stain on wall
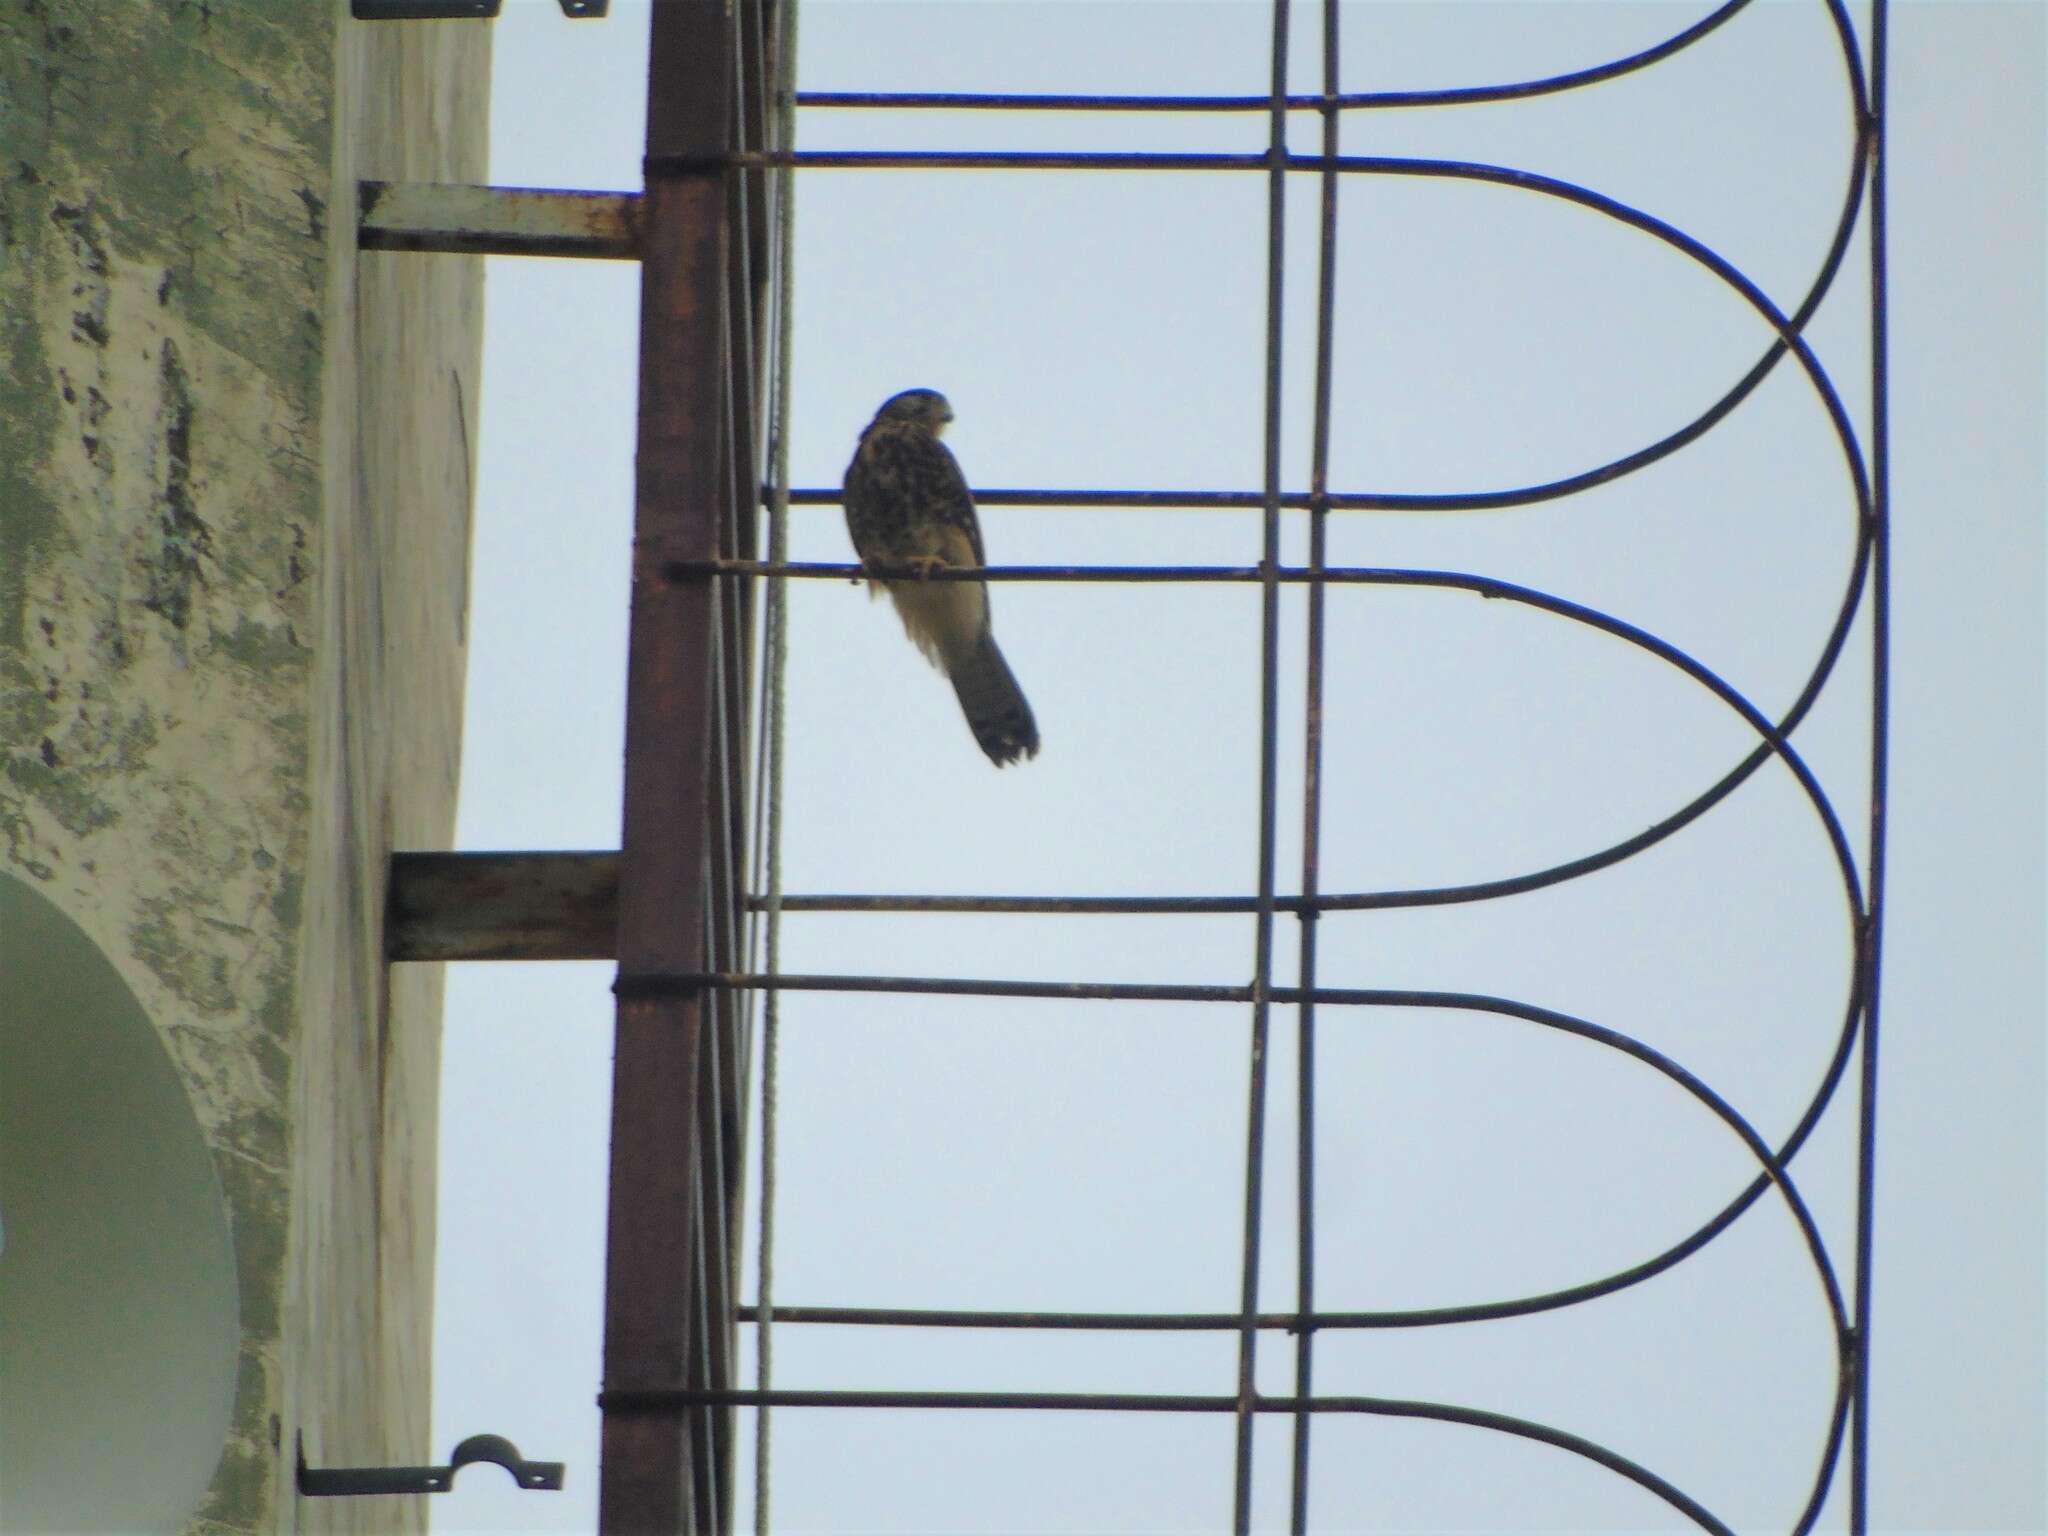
183	537
206	124
164	170
29	518
176	772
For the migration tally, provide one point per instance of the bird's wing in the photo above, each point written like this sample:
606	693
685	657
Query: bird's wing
903	479
951	498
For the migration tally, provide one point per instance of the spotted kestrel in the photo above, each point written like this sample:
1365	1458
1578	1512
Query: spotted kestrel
908	507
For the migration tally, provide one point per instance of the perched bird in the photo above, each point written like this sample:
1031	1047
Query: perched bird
908	507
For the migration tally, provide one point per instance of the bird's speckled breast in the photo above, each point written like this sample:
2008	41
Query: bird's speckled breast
906	497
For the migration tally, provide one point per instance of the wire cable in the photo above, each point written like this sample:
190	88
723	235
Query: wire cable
775	641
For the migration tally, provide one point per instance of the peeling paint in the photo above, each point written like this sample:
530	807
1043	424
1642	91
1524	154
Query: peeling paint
29	519
209	419
70	802
174	565
163	941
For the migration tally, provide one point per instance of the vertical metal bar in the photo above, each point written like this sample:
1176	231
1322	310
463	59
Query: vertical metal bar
736	631
714	1311
713	1341
1880	703
780	126
749	301
752	292
755	128
755	42
1269	709
704	1330
742	423
1312	784
681	493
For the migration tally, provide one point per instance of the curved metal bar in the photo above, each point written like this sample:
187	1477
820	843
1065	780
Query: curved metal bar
653	1400
1831	1452
656	983
1345	101
1677	239
1531	181
1472	501
1528	1429
1774	1173
1774	743
1788	339
1852	62
1463	96
1664	447
1774	737
1565	1023
1368	900
1786	327
1484	586
1657	1264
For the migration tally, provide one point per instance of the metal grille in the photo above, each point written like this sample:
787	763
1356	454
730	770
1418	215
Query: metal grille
729	570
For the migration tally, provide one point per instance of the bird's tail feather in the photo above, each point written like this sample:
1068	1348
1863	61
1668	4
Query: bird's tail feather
993	703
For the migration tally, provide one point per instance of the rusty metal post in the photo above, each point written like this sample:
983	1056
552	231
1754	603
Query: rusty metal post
655	1474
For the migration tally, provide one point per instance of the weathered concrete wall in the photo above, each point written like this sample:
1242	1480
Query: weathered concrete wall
234	499
401	406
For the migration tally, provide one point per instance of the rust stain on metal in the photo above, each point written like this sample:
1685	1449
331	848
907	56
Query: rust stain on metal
502	906
668	1316
497	221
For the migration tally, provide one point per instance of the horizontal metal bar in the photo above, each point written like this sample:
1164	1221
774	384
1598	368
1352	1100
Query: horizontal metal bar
1266	160
1093	1322
991	101
1340	575
677	1401
664	984
656	1400
450	906
497	221
1339	100
1233	501
958	160
663	166
821	496
1770	1162
1209	1322
822	570
1154	906
502	906
653	1400
1168	1322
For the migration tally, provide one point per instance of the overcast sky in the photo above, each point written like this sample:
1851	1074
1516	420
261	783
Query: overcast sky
1103	330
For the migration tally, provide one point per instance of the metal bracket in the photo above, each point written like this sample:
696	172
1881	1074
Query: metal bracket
496	221
461	10
340	1482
